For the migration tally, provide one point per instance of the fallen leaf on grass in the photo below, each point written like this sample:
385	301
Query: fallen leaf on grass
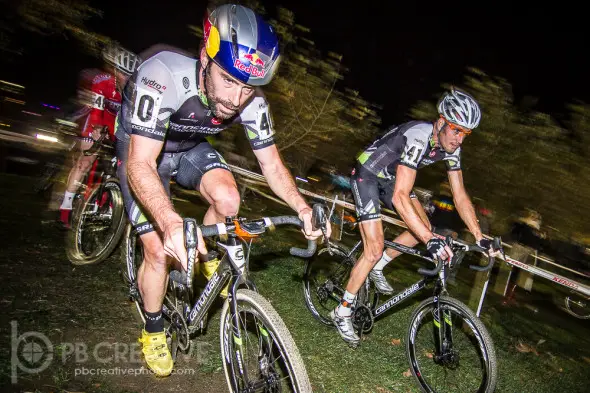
429	355
396	341
407	373
525	348
586	359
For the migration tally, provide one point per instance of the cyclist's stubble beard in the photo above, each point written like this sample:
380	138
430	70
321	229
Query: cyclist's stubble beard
215	101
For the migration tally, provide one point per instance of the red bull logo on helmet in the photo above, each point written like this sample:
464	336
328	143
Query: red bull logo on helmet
255	66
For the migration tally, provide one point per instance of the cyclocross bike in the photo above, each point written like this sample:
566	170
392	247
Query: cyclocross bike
447	345
259	354
98	213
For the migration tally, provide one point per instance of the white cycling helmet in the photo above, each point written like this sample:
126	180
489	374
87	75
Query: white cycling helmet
460	108
124	60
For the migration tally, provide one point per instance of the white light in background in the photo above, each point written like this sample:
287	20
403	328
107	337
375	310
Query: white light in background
46	138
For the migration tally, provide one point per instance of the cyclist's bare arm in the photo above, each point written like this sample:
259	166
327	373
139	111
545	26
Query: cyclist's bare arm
463	203
281	183
279	178
404	181
145	181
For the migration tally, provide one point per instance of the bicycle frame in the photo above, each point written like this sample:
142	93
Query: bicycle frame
412	289
233	267
443	336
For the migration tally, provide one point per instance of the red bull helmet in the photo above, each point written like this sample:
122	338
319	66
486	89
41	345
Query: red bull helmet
242	43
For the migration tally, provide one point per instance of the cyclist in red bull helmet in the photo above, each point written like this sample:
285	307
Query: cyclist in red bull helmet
171	104
386	172
100	96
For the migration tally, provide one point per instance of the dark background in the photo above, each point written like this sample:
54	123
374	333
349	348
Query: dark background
397	53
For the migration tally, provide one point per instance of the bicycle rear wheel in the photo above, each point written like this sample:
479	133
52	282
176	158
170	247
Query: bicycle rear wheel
325	279
97	225
264	358
467	362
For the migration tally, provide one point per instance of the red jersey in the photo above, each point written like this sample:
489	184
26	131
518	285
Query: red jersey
102	102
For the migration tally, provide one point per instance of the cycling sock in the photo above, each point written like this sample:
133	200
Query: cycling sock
344	309
385	259
67	202
154	322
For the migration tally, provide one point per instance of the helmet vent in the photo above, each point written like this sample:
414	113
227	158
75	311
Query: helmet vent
234	41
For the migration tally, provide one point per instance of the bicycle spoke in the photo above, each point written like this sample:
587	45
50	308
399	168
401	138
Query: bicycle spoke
461	366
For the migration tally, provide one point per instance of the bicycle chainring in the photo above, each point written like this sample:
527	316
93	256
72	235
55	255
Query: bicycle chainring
362	317
179	328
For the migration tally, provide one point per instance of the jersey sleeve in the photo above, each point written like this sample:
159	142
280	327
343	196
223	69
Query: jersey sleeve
414	147
257	121
453	161
149	100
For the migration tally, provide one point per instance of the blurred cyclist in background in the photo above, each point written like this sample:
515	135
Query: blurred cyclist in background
99	94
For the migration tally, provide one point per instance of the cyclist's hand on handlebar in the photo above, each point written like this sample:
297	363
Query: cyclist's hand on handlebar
305	215
97	132
174	241
439	249
488	245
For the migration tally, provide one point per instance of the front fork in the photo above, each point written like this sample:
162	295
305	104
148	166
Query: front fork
264	339
443	324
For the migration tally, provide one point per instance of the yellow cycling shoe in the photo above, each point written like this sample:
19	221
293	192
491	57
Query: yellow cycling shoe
156	353
208	267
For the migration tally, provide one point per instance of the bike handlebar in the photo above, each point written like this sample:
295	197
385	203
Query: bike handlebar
497	245
98	144
252	227
439	262
222	229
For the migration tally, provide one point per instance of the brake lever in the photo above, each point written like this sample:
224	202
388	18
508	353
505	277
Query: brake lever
319	220
497	245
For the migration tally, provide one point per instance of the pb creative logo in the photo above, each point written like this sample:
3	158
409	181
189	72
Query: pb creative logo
32	352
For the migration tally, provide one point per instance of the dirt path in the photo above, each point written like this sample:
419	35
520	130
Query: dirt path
78	328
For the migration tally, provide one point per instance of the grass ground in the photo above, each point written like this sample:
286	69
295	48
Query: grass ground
539	347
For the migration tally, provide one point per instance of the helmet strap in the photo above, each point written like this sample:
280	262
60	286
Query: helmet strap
435	139
202	92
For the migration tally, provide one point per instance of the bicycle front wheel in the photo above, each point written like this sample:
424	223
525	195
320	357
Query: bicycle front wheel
264	358
450	353
97	225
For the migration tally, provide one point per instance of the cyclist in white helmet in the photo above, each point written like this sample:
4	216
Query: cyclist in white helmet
99	94
386	172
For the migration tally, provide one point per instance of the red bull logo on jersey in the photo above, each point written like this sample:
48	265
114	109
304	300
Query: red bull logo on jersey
255	66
